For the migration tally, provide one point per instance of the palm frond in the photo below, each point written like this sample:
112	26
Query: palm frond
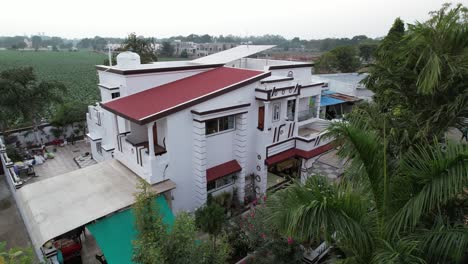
396	252
364	148
440	174
443	244
319	209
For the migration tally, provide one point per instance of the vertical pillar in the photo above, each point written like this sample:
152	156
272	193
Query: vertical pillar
318	99
267	117
240	152
114	135
296	117
150	139
199	162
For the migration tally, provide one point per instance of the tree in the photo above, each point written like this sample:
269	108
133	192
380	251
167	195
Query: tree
210	219
15	255
384	210
340	59
327	63
167	50
419	78
69	113
366	51
346	58
36	42
145	47
23	96
154	244
184	54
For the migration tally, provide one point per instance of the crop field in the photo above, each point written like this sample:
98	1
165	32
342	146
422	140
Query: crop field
74	69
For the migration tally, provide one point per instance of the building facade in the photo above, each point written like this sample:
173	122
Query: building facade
232	124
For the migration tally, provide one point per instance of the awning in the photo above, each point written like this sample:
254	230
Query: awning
327	100
93	137
54	206
114	234
291	153
294	152
315	152
221	170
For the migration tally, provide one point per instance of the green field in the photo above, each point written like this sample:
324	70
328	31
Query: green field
75	69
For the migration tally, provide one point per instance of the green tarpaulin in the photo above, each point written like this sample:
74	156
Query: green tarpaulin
114	234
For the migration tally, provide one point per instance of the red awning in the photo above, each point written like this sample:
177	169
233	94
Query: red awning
312	153
298	153
281	156
222	170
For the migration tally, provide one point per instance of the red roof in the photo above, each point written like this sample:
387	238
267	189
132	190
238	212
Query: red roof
290	153
160	101
221	170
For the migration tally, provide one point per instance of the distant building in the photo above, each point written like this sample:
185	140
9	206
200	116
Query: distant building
197	50
342	91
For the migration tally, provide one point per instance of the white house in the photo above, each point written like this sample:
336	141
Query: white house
219	123
226	122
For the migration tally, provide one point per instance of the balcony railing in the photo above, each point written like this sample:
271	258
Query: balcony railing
307	114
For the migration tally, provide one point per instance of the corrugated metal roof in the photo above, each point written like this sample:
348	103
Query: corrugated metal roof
62	203
233	54
327	100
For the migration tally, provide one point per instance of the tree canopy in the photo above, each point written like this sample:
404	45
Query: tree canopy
25	97
340	59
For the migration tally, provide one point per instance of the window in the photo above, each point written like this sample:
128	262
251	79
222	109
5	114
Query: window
217	125
276	112
115	95
220	183
291	109
261	117
99	147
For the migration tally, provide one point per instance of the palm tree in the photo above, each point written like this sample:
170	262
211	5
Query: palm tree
420	75
384	211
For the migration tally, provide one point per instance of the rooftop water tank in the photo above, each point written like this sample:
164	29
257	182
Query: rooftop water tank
128	60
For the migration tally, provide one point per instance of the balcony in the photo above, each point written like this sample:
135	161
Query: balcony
134	148
307	114
135	156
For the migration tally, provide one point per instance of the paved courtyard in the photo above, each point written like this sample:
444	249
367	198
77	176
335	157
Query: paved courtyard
64	161
329	165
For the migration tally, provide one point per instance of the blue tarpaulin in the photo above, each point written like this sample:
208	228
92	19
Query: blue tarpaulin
326	101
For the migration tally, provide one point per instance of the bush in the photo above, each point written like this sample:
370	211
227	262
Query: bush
13	154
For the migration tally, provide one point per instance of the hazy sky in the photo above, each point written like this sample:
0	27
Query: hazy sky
162	18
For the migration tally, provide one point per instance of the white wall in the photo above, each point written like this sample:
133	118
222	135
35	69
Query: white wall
219	148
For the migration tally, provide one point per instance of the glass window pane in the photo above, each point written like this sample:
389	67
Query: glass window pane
211	126
223	123
231	120
211	185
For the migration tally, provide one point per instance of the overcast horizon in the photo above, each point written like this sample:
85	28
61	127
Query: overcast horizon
297	18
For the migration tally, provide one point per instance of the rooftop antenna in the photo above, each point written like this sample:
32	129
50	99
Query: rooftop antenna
109	54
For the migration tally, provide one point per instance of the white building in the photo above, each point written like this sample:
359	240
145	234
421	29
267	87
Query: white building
219	123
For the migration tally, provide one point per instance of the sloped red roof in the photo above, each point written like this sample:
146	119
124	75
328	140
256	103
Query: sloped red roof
290	153
221	170
160	101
